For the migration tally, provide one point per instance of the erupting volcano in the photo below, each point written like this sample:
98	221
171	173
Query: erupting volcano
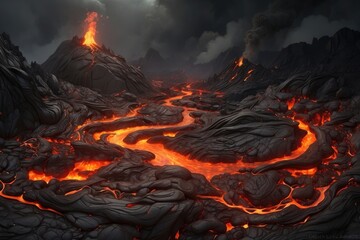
83	62
90	149
240	61
89	37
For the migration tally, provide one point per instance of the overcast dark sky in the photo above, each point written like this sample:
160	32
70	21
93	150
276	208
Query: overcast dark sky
195	29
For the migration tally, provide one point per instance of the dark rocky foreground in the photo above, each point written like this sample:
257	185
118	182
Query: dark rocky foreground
282	163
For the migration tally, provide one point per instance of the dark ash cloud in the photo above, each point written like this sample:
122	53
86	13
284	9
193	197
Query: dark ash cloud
188	30
39	26
316	26
284	21
129	27
280	15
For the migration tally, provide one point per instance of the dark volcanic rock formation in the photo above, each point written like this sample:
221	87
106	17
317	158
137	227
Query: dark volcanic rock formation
23	93
338	55
97	68
249	76
33	100
245	134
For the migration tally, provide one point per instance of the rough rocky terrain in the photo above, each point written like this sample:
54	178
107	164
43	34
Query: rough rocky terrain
280	162
97	68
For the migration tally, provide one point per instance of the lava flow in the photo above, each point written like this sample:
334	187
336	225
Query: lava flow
21	198
288	201
94	146
81	171
165	156
240	62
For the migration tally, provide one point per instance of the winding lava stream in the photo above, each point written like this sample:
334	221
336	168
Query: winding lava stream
165	156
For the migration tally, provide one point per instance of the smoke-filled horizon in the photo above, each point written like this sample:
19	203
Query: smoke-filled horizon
196	31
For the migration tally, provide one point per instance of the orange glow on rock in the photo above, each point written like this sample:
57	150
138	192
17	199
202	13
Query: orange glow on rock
291	103
321	118
288	201
229	227
22	200
81	171
170	134
297	172
89	37
165	156
233	77
240	62
248	74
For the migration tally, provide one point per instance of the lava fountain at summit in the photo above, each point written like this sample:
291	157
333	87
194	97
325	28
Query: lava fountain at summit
240	62
89	37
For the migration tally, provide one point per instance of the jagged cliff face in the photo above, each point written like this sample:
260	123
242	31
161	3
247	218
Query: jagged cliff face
338	55
34	102
23	93
96	68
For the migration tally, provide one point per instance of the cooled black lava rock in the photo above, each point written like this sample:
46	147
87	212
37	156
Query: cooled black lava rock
97	68
246	134
24	90
263	190
34	102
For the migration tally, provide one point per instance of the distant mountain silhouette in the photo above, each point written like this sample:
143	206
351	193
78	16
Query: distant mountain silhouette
338	55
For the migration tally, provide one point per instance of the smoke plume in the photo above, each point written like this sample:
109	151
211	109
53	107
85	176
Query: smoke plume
280	15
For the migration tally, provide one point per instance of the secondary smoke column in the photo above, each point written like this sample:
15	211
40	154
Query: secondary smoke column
89	37
280	15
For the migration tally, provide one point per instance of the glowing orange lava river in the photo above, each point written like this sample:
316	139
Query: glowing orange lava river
164	156
101	151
